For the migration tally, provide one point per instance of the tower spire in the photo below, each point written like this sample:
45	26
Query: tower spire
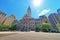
29	11
28	14
29	8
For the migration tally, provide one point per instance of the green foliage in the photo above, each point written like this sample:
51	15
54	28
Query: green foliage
5	27
58	26
45	27
13	27
37	28
0	27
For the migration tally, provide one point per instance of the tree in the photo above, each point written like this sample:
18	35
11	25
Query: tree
37	28
58	26
45	27
13	27
5	27
0	27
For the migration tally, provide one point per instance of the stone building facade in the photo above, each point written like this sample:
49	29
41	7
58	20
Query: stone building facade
9	20
2	17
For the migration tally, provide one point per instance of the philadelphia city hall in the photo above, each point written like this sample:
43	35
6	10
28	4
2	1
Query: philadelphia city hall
28	22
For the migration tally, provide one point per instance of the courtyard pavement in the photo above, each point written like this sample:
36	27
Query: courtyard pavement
29	36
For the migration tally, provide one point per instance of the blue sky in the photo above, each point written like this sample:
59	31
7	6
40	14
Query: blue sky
19	7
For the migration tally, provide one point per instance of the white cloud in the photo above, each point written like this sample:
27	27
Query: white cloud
45	11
